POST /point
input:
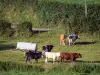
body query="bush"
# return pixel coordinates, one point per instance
(24, 29)
(5, 28)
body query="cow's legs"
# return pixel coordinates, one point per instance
(46, 60)
(62, 59)
(53, 60)
(62, 42)
(70, 42)
(73, 41)
(36, 60)
(28, 59)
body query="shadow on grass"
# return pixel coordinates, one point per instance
(87, 61)
(84, 43)
(2, 41)
(6, 47)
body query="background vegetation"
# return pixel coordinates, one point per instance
(5, 29)
(53, 13)
(63, 16)
(13, 61)
(24, 30)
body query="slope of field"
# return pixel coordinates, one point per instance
(88, 46)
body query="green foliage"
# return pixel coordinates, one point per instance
(72, 16)
(6, 66)
(63, 69)
(41, 13)
(24, 29)
(85, 68)
(5, 29)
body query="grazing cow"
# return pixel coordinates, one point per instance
(72, 38)
(53, 55)
(62, 39)
(47, 48)
(33, 55)
(69, 56)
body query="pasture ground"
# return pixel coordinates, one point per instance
(87, 45)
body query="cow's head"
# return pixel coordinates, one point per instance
(49, 47)
(43, 47)
(79, 55)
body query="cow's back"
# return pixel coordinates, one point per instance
(65, 55)
(49, 54)
(33, 55)
(70, 56)
(52, 54)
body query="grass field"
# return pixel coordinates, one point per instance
(76, 1)
(12, 61)
(87, 45)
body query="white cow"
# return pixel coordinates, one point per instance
(72, 38)
(26, 46)
(53, 55)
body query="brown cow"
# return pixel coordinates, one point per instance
(69, 56)
(62, 39)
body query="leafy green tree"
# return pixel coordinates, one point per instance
(5, 28)
(24, 29)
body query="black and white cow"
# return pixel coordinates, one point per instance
(37, 55)
(47, 48)
(72, 38)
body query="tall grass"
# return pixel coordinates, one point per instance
(63, 69)
(53, 14)
(7, 66)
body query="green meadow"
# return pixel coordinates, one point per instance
(62, 16)
(75, 1)
(13, 61)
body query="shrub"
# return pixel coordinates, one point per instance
(24, 29)
(5, 28)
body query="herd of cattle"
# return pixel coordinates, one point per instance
(46, 53)
(32, 53)
(70, 39)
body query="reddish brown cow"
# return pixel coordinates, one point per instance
(69, 56)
